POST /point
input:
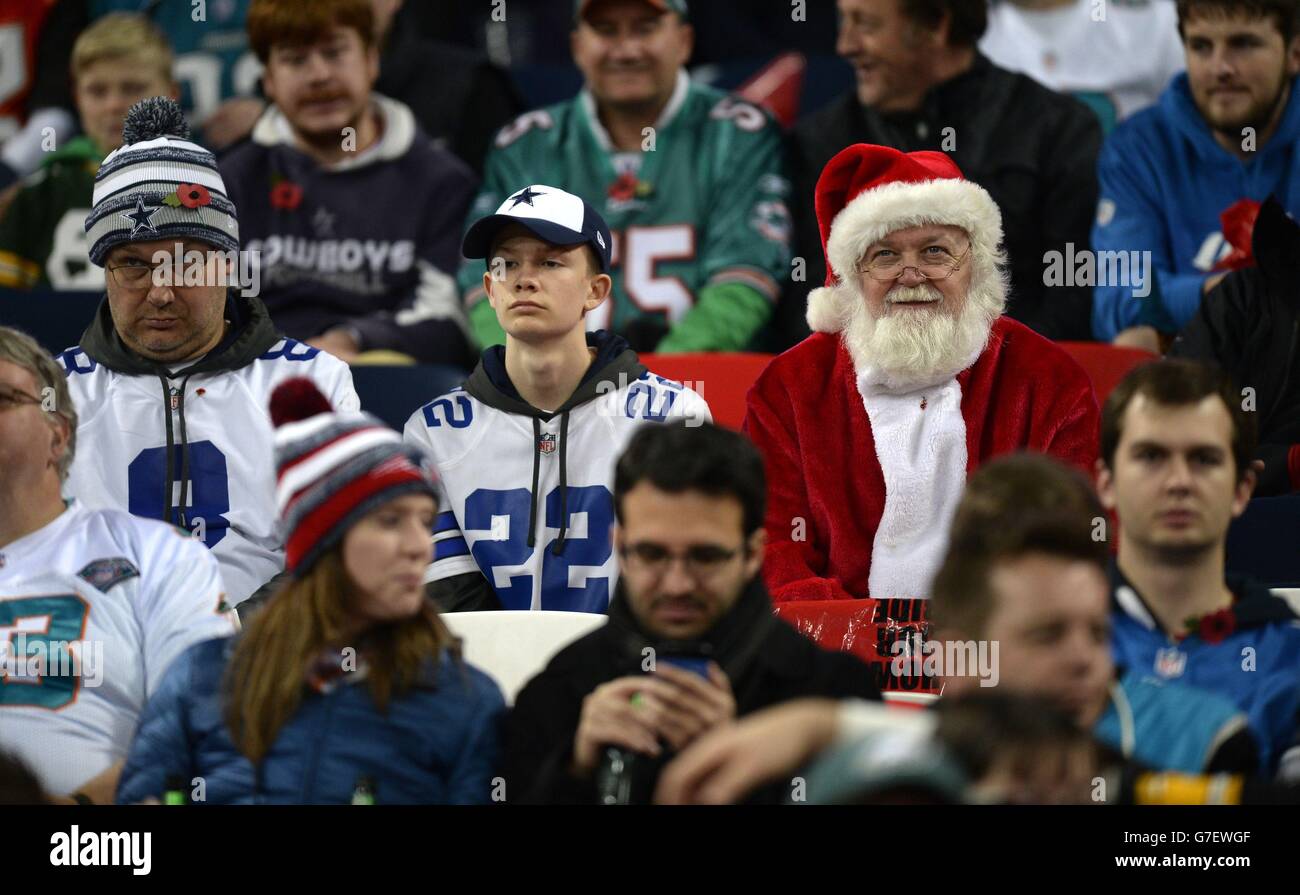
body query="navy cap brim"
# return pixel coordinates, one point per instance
(478, 241)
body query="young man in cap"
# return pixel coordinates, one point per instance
(689, 178)
(526, 449)
(174, 372)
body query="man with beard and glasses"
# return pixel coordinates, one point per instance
(1182, 180)
(355, 214)
(911, 379)
(1175, 469)
(691, 643)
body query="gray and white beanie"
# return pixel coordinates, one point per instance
(159, 185)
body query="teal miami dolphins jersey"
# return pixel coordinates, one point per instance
(703, 206)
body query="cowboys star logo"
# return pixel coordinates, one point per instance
(142, 217)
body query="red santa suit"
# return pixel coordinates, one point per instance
(864, 472)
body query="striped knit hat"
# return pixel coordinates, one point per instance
(333, 468)
(159, 185)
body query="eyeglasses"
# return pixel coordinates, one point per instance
(11, 399)
(134, 274)
(933, 267)
(701, 562)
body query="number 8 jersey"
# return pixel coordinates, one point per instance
(192, 446)
(528, 497)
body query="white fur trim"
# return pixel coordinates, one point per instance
(922, 456)
(825, 312)
(876, 213)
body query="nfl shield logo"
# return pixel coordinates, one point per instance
(176, 399)
(546, 443)
(1170, 662)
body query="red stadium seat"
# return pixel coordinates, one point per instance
(869, 629)
(722, 379)
(1106, 364)
(778, 87)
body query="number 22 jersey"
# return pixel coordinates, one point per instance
(528, 495)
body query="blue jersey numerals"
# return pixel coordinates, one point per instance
(509, 546)
(209, 488)
(35, 635)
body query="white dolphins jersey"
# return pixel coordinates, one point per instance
(229, 504)
(484, 457)
(93, 609)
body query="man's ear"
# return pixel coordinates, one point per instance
(59, 440)
(687, 33)
(1105, 485)
(372, 65)
(756, 543)
(1293, 56)
(1245, 488)
(598, 289)
(488, 282)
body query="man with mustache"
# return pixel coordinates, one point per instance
(911, 379)
(172, 377)
(1174, 177)
(355, 214)
(689, 179)
(1175, 469)
(691, 643)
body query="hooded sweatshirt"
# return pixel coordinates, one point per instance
(191, 443)
(1165, 182)
(529, 503)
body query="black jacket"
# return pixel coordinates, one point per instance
(766, 660)
(1250, 326)
(1034, 150)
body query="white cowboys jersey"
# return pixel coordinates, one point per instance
(485, 455)
(230, 500)
(93, 609)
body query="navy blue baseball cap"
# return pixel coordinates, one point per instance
(550, 214)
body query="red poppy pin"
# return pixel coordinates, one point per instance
(624, 188)
(286, 195)
(1215, 627)
(189, 195)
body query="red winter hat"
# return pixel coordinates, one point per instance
(333, 468)
(867, 192)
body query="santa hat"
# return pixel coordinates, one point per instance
(333, 468)
(867, 192)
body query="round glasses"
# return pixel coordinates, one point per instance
(935, 267)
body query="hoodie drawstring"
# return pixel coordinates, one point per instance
(168, 495)
(532, 512)
(564, 484)
(185, 457)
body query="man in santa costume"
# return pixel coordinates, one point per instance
(911, 379)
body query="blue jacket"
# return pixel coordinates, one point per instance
(1165, 725)
(436, 745)
(1257, 666)
(1164, 181)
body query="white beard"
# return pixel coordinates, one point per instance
(914, 348)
